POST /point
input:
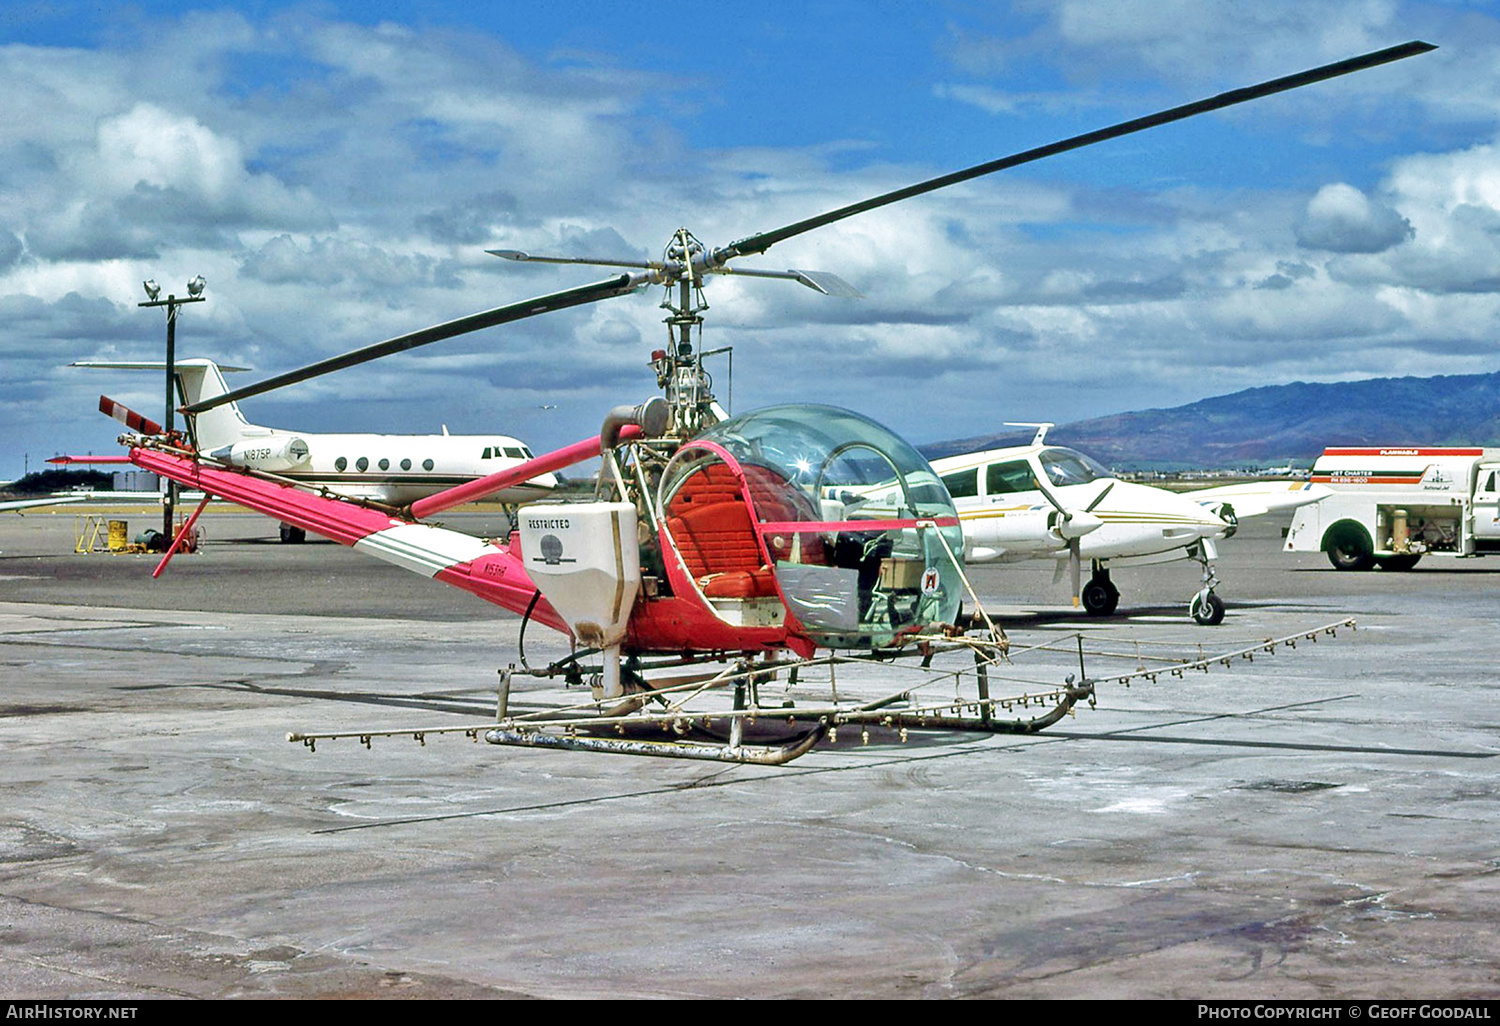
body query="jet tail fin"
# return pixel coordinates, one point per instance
(197, 379)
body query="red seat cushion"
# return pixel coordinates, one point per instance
(708, 519)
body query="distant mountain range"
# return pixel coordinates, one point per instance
(1277, 423)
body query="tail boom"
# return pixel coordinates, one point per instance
(490, 570)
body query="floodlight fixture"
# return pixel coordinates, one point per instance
(172, 302)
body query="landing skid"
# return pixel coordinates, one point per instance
(769, 712)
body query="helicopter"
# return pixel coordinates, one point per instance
(718, 553)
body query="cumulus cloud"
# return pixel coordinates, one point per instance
(1342, 219)
(338, 182)
(11, 249)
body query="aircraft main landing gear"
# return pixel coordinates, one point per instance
(1100, 597)
(1205, 607)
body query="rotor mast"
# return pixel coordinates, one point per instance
(679, 368)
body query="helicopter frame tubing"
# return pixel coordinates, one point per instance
(724, 716)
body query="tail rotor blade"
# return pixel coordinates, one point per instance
(125, 415)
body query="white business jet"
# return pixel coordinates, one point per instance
(390, 469)
(1041, 501)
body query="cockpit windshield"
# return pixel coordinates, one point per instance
(1071, 467)
(852, 519)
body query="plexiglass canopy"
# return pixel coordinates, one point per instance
(850, 516)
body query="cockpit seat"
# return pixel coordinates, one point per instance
(717, 542)
(708, 520)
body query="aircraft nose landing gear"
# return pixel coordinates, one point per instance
(1205, 607)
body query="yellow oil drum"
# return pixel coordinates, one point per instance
(118, 536)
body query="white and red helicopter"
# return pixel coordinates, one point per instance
(753, 543)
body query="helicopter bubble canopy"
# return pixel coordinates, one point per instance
(861, 535)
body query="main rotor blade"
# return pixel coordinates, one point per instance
(610, 287)
(521, 256)
(765, 240)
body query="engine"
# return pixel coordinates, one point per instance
(278, 452)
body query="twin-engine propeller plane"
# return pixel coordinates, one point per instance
(1040, 501)
(388, 469)
(751, 544)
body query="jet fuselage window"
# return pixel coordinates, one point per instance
(1003, 478)
(340, 463)
(406, 464)
(489, 452)
(385, 464)
(362, 464)
(515, 452)
(962, 485)
(426, 464)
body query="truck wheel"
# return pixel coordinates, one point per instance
(1398, 562)
(1348, 546)
(292, 535)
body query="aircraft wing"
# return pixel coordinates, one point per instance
(1260, 497)
(487, 569)
(52, 500)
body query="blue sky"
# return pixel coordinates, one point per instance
(337, 170)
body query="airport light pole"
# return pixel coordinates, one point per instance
(195, 295)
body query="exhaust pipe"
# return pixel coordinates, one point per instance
(652, 417)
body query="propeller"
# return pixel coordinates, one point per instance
(1071, 525)
(686, 260)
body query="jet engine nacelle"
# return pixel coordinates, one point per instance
(276, 453)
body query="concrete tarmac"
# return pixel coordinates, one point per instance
(1318, 823)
